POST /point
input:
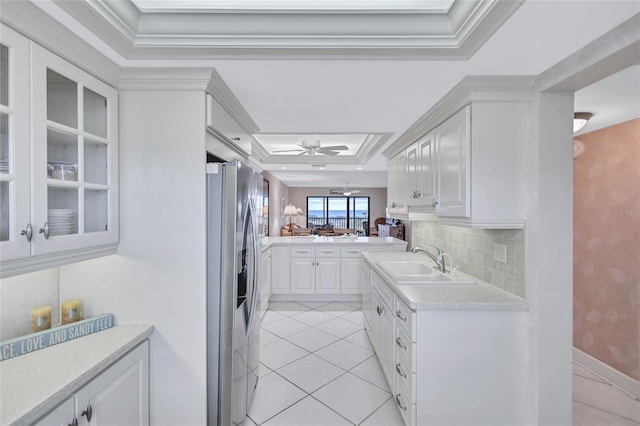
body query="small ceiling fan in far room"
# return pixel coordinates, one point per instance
(313, 146)
(345, 191)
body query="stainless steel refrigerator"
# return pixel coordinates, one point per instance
(234, 196)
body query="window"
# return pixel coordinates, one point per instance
(341, 212)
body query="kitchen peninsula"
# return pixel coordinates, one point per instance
(318, 267)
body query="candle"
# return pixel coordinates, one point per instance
(40, 318)
(70, 311)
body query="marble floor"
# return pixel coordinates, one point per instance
(319, 369)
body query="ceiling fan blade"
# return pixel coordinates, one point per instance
(303, 153)
(291, 150)
(336, 147)
(327, 152)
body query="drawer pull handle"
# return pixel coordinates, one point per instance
(352, 251)
(399, 315)
(327, 251)
(399, 343)
(402, 407)
(400, 372)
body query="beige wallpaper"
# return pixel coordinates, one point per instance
(606, 270)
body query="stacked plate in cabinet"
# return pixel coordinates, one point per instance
(61, 221)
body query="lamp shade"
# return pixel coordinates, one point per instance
(580, 120)
(299, 211)
(290, 210)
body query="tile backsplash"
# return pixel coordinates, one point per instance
(19, 294)
(472, 251)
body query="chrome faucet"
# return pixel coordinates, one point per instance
(439, 259)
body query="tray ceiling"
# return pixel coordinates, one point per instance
(199, 29)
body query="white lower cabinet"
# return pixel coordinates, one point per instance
(264, 288)
(62, 415)
(321, 269)
(280, 271)
(447, 367)
(117, 396)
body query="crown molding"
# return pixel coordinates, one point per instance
(371, 145)
(470, 90)
(219, 90)
(273, 33)
(35, 23)
(165, 79)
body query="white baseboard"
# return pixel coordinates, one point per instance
(609, 374)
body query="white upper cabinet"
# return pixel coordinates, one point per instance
(396, 199)
(14, 145)
(60, 188)
(465, 158)
(451, 197)
(420, 172)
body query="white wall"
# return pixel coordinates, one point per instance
(158, 275)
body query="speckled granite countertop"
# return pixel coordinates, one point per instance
(479, 296)
(269, 241)
(32, 385)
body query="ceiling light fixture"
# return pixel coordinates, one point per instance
(580, 120)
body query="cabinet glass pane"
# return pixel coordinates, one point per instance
(62, 211)
(4, 75)
(95, 210)
(62, 99)
(95, 162)
(95, 113)
(4, 211)
(4, 143)
(62, 156)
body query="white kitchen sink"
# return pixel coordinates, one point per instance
(409, 272)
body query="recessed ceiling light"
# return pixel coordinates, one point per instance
(358, 168)
(283, 168)
(322, 168)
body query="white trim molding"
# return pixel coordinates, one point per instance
(620, 380)
(455, 32)
(471, 89)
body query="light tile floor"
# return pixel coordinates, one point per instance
(318, 369)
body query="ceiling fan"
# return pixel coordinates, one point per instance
(345, 191)
(313, 146)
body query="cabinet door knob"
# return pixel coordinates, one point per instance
(399, 343)
(27, 232)
(434, 202)
(399, 315)
(88, 412)
(45, 230)
(74, 422)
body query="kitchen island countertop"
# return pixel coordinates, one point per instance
(313, 239)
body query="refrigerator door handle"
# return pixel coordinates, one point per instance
(255, 246)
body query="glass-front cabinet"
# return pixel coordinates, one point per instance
(71, 160)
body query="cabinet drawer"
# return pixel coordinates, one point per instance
(403, 402)
(402, 374)
(385, 292)
(351, 251)
(406, 318)
(327, 252)
(403, 344)
(303, 252)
